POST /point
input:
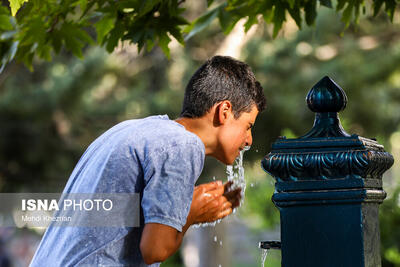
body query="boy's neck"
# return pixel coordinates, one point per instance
(203, 128)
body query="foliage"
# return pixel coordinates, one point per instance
(43, 27)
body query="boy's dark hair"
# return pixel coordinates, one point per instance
(222, 78)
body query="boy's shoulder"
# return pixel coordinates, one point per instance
(158, 132)
(161, 127)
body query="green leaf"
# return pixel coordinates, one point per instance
(346, 17)
(73, 45)
(149, 38)
(227, 20)
(74, 38)
(149, 44)
(87, 8)
(377, 6)
(163, 41)
(311, 11)
(390, 6)
(209, 2)
(83, 4)
(357, 8)
(16, 5)
(327, 3)
(180, 20)
(13, 50)
(8, 55)
(340, 4)
(45, 52)
(250, 22)
(177, 34)
(279, 18)
(4, 10)
(291, 3)
(268, 16)
(103, 27)
(115, 35)
(147, 6)
(35, 33)
(5, 23)
(56, 40)
(28, 59)
(25, 55)
(201, 23)
(75, 30)
(295, 13)
(137, 36)
(83, 36)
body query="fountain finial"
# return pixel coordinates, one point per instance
(326, 96)
(326, 99)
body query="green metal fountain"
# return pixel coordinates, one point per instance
(328, 189)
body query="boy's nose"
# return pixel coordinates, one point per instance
(249, 140)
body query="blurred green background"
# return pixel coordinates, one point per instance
(48, 117)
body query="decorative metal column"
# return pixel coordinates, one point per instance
(328, 189)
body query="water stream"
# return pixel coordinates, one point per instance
(235, 173)
(264, 253)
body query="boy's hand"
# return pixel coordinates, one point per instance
(212, 201)
(233, 195)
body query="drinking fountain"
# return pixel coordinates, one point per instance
(328, 189)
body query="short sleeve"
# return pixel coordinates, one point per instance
(170, 174)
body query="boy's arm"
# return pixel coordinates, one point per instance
(209, 203)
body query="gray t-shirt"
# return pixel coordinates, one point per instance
(155, 157)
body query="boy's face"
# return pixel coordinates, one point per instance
(235, 134)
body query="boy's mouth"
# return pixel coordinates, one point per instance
(245, 148)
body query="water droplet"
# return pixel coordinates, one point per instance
(251, 185)
(220, 243)
(215, 238)
(219, 265)
(256, 150)
(214, 178)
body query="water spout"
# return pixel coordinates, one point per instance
(266, 246)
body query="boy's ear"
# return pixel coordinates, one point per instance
(223, 111)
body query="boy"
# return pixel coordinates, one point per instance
(161, 159)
